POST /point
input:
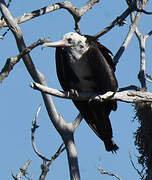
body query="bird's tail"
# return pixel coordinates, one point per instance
(96, 115)
(111, 145)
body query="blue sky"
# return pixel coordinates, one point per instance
(19, 102)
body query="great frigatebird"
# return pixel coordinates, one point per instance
(83, 64)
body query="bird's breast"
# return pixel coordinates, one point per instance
(84, 73)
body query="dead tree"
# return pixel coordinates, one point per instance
(141, 97)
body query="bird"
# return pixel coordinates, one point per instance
(85, 65)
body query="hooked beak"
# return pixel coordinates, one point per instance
(60, 43)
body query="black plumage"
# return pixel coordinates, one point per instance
(83, 64)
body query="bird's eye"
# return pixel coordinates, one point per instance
(69, 40)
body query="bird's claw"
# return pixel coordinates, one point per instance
(73, 93)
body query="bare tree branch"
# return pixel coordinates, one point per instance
(22, 172)
(66, 130)
(108, 173)
(10, 62)
(77, 121)
(136, 4)
(33, 129)
(143, 11)
(142, 44)
(3, 35)
(125, 96)
(148, 78)
(61, 126)
(31, 15)
(141, 75)
(75, 12)
(129, 35)
(59, 151)
(87, 6)
(148, 34)
(139, 172)
(45, 166)
(118, 21)
(9, 2)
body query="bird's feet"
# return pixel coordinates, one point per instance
(73, 93)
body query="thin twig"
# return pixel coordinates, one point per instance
(117, 21)
(9, 2)
(59, 151)
(148, 78)
(143, 11)
(148, 34)
(45, 166)
(139, 172)
(3, 35)
(108, 173)
(22, 172)
(33, 129)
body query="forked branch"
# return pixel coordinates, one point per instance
(60, 124)
(129, 35)
(75, 12)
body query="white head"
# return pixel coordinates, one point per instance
(73, 42)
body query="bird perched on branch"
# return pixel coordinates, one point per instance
(84, 65)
